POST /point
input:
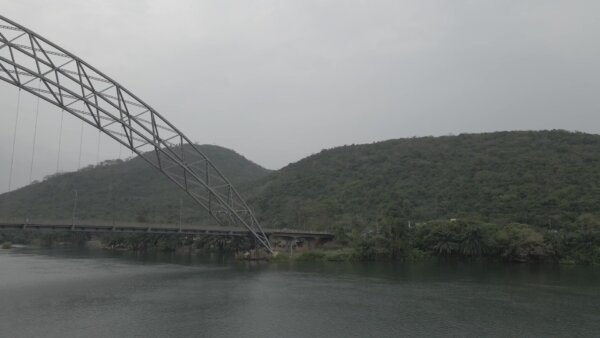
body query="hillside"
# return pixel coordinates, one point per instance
(541, 178)
(546, 178)
(131, 191)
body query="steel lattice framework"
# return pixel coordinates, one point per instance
(42, 68)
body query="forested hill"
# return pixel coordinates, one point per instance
(541, 178)
(545, 178)
(129, 191)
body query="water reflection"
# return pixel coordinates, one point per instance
(76, 293)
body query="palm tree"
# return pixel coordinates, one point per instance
(473, 242)
(445, 247)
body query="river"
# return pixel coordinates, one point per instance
(82, 293)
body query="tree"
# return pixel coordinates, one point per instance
(521, 243)
(475, 240)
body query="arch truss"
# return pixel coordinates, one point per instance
(42, 68)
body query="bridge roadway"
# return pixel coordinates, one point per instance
(166, 229)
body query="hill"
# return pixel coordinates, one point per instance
(544, 178)
(519, 196)
(128, 190)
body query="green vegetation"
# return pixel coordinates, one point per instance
(335, 255)
(6, 245)
(529, 196)
(464, 239)
(517, 196)
(165, 243)
(547, 179)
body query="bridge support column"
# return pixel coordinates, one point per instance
(292, 241)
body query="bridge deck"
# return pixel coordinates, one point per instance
(165, 229)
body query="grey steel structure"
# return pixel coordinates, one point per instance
(42, 68)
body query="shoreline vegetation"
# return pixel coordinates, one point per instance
(463, 239)
(391, 241)
(520, 196)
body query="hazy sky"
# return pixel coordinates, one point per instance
(280, 80)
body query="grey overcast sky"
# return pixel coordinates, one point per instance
(280, 80)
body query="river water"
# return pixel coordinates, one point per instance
(80, 293)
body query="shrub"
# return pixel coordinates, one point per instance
(521, 243)
(311, 256)
(340, 255)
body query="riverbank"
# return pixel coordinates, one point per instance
(470, 239)
(348, 255)
(391, 241)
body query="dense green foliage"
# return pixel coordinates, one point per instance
(529, 196)
(463, 239)
(547, 178)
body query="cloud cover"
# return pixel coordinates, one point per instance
(279, 80)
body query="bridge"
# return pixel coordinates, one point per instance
(291, 238)
(37, 66)
(160, 229)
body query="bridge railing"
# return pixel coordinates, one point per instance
(105, 223)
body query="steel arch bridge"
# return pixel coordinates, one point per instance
(44, 69)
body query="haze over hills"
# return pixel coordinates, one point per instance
(544, 178)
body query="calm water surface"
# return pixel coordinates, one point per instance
(101, 294)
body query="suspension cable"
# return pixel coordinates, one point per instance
(37, 113)
(12, 159)
(80, 146)
(98, 150)
(62, 117)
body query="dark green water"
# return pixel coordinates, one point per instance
(99, 294)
